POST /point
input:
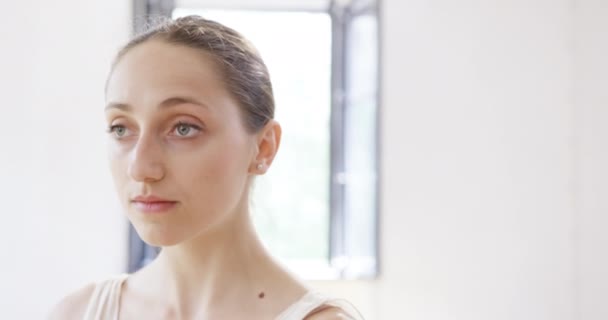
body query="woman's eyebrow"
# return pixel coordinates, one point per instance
(173, 101)
(116, 105)
(167, 103)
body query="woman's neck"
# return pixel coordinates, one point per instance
(224, 265)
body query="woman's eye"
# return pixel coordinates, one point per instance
(118, 131)
(186, 130)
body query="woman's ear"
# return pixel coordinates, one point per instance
(268, 141)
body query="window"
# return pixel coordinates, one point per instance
(316, 209)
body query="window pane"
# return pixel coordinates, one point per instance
(291, 202)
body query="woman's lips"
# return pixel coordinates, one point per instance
(152, 204)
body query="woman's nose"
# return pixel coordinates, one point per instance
(146, 161)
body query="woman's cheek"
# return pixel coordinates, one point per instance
(119, 148)
(118, 161)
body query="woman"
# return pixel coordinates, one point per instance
(190, 118)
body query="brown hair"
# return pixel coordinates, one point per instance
(244, 72)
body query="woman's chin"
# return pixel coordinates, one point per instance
(160, 242)
(157, 238)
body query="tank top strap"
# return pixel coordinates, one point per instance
(304, 306)
(312, 301)
(105, 299)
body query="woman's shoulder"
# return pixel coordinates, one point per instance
(74, 305)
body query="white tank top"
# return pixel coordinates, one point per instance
(105, 299)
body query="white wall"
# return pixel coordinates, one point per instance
(60, 225)
(591, 119)
(478, 160)
(494, 151)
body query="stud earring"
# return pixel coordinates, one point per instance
(260, 166)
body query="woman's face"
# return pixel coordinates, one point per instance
(179, 153)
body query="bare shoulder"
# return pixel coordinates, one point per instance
(329, 313)
(74, 305)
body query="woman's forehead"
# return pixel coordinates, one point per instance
(159, 68)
